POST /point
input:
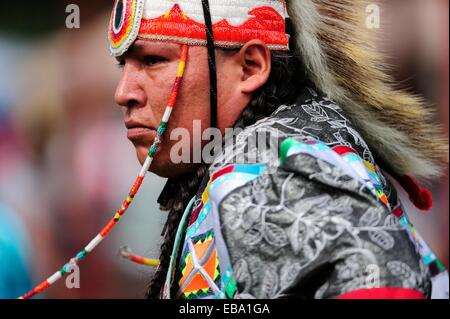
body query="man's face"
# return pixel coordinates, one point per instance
(149, 71)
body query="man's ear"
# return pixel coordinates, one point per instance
(255, 61)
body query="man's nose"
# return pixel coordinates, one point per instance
(129, 91)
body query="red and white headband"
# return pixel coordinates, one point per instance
(235, 22)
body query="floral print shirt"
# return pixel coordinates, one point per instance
(305, 212)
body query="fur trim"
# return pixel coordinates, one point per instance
(341, 59)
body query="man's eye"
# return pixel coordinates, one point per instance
(153, 60)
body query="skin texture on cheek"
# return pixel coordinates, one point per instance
(192, 104)
(153, 84)
(156, 87)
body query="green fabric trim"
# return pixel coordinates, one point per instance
(285, 147)
(176, 246)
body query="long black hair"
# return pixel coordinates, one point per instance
(286, 77)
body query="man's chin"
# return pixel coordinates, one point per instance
(162, 164)
(141, 153)
(159, 166)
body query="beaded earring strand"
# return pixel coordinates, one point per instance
(136, 186)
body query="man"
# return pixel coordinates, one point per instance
(316, 216)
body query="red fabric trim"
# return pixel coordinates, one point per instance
(341, 150)
(383, 293)
(224, 171)
(195, 214)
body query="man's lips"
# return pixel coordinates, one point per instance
(139, 131)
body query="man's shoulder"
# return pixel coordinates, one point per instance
(283, 226)
(312, 118)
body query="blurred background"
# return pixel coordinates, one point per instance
(66, 165)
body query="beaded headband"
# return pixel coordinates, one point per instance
(234, 22)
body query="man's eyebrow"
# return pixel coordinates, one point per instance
(136, 46)
(140, 45)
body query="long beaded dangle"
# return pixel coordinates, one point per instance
(136, 186)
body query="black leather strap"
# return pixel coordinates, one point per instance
(211, 62)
